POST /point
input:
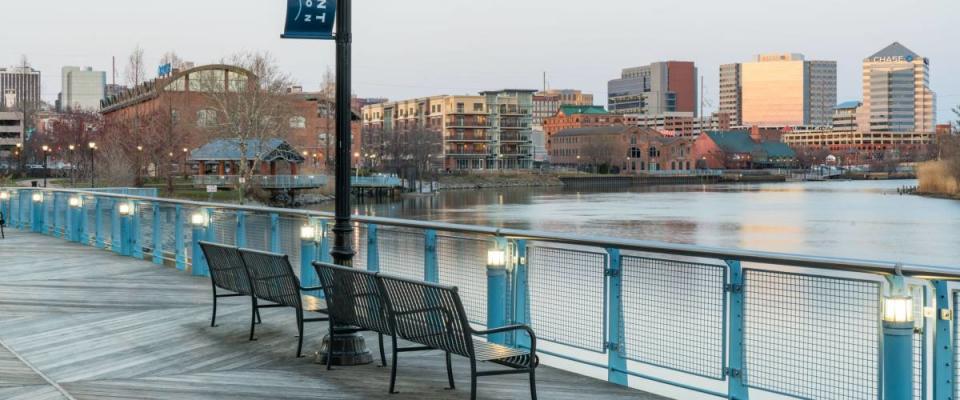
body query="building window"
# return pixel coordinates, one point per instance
(478, 107)
(206, 118)
(298, 122)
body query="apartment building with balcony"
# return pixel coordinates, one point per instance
(489, 131)
(11, 132)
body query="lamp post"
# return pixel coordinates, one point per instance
(73, 167)
(18, 152)
(308, 254)
(136, 178)
(199, 220)
(184, 166)
(898, 342)
(126, 211)
(46, 171)
(497, 289)
(93, 168)
(75, 218)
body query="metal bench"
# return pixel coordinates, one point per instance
(272, 279)
(2, 223)
(354, 303)
(433, 316)
(227, 272)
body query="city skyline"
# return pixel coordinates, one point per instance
(510, 52)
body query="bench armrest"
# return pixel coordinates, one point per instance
(517, 327)
(311, 288)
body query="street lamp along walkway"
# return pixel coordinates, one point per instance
(315, 20)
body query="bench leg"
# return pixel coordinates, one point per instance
(253, 317)
(473, 380)
(450, 373)
(300, 329)
(533, 384)
(213, 319)
(383, 355)
(393, 370)
(330, 336)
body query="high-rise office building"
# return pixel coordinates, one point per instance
(782, 90)
(896, 92)
(661, 87)
(730, 93)
(21, 83)
(83, 89)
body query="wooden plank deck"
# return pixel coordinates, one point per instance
(82, 323)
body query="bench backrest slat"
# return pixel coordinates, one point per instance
(353, 297)
(272, 277)
(429, 314)
(226, 267)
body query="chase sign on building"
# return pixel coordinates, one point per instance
(310, 19)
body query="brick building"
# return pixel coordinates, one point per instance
(741, 150)
(183, 95)
(628, 149)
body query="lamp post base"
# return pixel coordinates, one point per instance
(346, 349)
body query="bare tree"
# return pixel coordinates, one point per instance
(599, 152)
(327, 103)
(248, 110)
(136, 67)
(171, 58)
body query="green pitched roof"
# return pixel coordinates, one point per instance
(740, 142)
(571, 110)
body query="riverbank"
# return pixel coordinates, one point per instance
(938, 179)
(498, 180)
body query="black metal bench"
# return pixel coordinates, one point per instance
(354, 303)
(227, 272)
(272, 279)
(2, 224)
(433, 316)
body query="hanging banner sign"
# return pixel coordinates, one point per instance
(310, 19)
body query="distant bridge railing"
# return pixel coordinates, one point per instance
(376, 181)
(702, 321)
(264, 181)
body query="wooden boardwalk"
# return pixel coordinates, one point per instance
(82, 323)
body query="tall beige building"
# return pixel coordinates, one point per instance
(731, 102)
(785, 90)
(896, 92)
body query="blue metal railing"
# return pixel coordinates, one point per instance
(723, 323)
(265, 181)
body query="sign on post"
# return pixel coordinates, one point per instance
(211, 188)
(310, 19)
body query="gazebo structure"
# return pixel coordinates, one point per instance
(218, 164)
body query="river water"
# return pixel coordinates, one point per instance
(858, 219)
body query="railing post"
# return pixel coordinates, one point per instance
(136, 237)
(126, 242)
(897, 344)
(275, 232)
(116, 240)
(373, 251)
(98, 222)
(521, 294)
(241, 235)
(157, 234)
(431, 269)
(179, 240)
(943, 349)
(325, 242)
(52, 228)
(736, 386)
(308, 253)
(84, 222)
(75, 216)
(37, 207)
(199, 233)
(70, 223)
(616, 363)
(497, 289)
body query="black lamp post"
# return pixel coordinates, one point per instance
(46, 171)
(342, 252)
(93, 170)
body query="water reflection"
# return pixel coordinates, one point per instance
(860, 219)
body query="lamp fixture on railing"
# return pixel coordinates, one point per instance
(898, 331)
(308, 232)
(125, 209)
(4, 195)
(198, 219)
(898, 309)
(75, 202)
(496, 258)
(37, 197)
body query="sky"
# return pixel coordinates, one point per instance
(416, 48)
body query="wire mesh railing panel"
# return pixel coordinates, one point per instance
(224, 225)
(168, 230)
(106, 219)
(90, 218)
(673, 314)
(401, 252)
(258, 231)
(567, 289)
(60, 213)
(812, 337)
(290, 239)
(49, 217)
(462, 263)
(359, 246)
(146, 226)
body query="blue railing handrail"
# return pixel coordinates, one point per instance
(785, 259)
